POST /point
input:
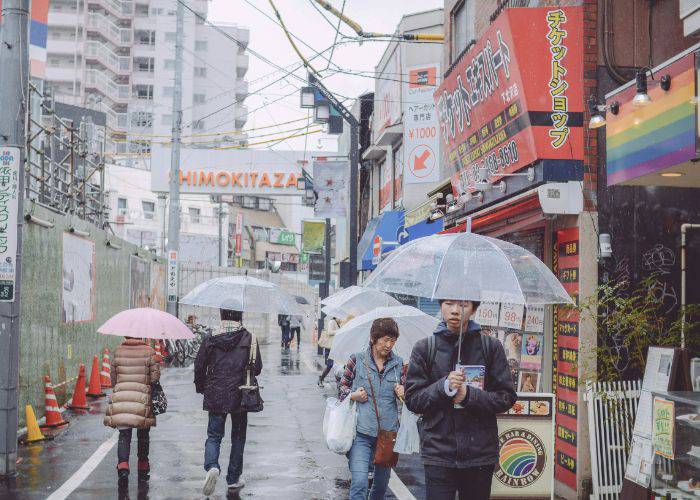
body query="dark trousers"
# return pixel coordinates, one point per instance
(286, 336)
(473, 483)
(215, 433)
(296, 330)
(124, 444)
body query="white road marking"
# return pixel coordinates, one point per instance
(85, 470)
(399, 489)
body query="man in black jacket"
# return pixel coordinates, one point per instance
(459, 436)
(219, 371)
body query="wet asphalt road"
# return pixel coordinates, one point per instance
(285, 455)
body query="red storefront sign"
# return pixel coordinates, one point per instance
(516, 96)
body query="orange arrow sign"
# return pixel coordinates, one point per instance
(419, 162)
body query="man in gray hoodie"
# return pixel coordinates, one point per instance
(459, 435)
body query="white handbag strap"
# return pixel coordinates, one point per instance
(253, 349)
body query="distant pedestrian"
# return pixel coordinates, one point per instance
(325, 342)
(284, 322)
(134, 368)
(295, 324)
(219, 372)
(459, 438)
(372, 379)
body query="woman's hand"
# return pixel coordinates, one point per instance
(399, 391)
(359, 396)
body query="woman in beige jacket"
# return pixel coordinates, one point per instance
(134, 369)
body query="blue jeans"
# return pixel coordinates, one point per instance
(215, 433)
(361, 455)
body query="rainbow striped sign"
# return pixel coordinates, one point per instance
(662, 134)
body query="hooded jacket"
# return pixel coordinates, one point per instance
(134, 368)
(468, 436)
(220, 369)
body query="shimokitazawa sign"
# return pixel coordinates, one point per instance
(232, 171)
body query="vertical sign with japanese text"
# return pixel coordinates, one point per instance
(172, 276)
(9, 204)
(421, 136)
(566, 359)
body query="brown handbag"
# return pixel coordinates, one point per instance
(384, 454)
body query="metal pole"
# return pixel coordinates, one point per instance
(354, 188)
(174, 215)
(327, 245)
(221, 244)
(14, 76)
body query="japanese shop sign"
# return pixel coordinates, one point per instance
(282, 236)
(421, 137)
(511, 316)
(172, 276)
(487, 314)
(662, 428)
(387, 97)
(238, 248)
(516, 96)
(9, 213)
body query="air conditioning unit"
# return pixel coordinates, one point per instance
(561, 197)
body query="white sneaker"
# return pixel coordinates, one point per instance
(210, 481)
(237, 486)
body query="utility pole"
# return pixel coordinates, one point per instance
(14, 82)
(221, 231)
(174, 214)
(354, 169)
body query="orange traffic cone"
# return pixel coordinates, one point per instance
(105, 380)
(79, 402)
(95, 390)
(53, 413)
(159, 353)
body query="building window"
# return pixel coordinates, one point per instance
(122, 206)
(264, 204)
(146, 37)
(156, 12)
(200, 72)
(462, 20)
(199, 98)
(170, 36)
(145, 65)
(141, 119)
(144, 92)
(260, 234)
(195, 215)
(200, 45)
(149, 209)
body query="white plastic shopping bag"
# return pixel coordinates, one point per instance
(407, 439)
(339, 428)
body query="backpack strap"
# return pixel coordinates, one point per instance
(432, 351)
(486, 349)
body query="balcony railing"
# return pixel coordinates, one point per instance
(102, 53)
(118, 93)
(118, 8)
(241, 90)
(115, 34)
(116, 121)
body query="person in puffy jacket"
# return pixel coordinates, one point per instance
(459, 433)
(134, 369)
(219, 371)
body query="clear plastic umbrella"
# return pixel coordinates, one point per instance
(353, 337)
(243, 293)
(468, 266)
(354, 301)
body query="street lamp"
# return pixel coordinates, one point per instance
(308, 97)
(322, 113)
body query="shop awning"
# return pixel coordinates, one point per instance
(381, 234)
(374, 153)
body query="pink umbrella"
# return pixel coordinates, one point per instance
(146, 323)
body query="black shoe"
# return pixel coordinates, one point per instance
(320, 382)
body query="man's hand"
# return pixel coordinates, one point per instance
(399, 391)
(461, 394)
(456, 379)
(359, 395)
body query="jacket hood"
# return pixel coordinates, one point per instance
(229, 340)
(442, 329)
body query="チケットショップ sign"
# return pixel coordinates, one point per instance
(229, 171)
(516, 96)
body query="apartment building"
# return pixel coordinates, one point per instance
(118, 56)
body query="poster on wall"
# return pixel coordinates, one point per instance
(158, 299)
(313, 236)
(386, 172)
(421, 136)
(398, 177)
(140, 284)
(78, 279)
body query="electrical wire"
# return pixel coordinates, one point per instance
(221, 133)
(306, 62)
(337, 33)
(189, 143)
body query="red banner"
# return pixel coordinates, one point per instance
(516, 96)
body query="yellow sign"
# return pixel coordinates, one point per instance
(662, 427)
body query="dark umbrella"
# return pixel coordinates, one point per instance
(301, 300)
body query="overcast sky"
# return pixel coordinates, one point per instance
(302, 20)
